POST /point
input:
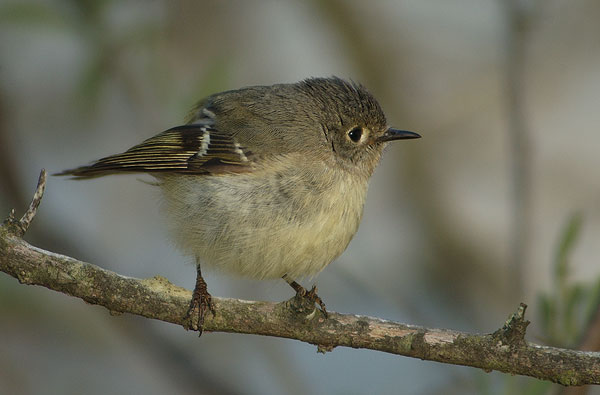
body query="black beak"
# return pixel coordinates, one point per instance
(395, 134)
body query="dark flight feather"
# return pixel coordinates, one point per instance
(187, 149)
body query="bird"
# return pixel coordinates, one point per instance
(266, 182)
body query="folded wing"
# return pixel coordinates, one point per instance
(187, 149)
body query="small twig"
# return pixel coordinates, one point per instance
(26, 219)
(21, 226)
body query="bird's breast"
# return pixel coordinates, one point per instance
(274, 221)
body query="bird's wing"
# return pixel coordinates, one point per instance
(187, 149)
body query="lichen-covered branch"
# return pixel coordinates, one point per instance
(504, 350)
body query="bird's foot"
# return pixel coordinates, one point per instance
(200, 304)
(313, 298)
(307, 296)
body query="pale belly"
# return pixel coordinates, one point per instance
(262, 229)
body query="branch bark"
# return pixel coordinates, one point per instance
(504, 350)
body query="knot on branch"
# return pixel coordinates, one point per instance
(325, 348)
(513, 331)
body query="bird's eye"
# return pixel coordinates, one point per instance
(355, 134)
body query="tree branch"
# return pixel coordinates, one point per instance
(504, 350)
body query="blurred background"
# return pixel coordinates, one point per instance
(498, 203)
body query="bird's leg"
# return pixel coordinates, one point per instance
(201, 303)
(302, 292)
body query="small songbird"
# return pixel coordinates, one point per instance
(266, 181)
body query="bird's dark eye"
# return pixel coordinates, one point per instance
(355, 134)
